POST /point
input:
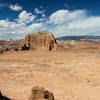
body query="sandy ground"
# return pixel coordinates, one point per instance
(70, 75)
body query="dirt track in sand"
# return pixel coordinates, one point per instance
(69, 75)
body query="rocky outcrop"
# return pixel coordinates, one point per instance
(7, 49)
(42, 40)
(1, 51)
(3, 97)
(38, 93)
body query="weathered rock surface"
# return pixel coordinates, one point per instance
(38, 93)
(42, 40)
(3, 97)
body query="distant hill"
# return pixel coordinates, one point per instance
(78, 37)
(9, 44)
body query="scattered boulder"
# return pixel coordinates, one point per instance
(24, 47)
(6, 49)
(42, 40)
(38, 93)
(16, 49)
(3, 97)
(13, 49)
(1, 51)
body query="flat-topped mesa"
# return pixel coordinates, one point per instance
(42, 40)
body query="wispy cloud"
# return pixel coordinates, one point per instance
(15, 7)
(2, 5)
(42, 12)
(67, 5)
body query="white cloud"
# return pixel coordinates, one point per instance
(60, 23)
(43, 19)
(22, 25)
(15, 7)
(66, 16)
(33, 27)
(66, 5)
(37, 11)
(16, 30)
(10, 27)
(25, 17)
(77, 22)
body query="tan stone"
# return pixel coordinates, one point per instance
(42, 40)
(3, 97)
(38, 93)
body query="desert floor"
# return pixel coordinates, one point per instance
(70, 75)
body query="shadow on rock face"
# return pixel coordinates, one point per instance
(42, 40)
(3, 97)
(38, 93)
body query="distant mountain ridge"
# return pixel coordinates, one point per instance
(78, 37)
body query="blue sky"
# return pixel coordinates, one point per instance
(61, 17)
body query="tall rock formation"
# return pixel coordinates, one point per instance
(42, 40)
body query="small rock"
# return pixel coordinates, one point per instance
(3, 97)
(16, 49)
(38, 93)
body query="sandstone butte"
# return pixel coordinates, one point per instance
(42, 40)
